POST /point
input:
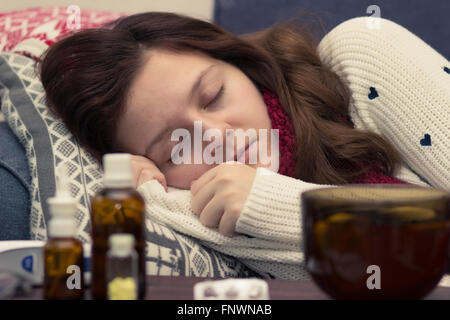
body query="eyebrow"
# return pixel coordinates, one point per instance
(194, 88)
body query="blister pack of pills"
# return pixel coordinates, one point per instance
(232, 289)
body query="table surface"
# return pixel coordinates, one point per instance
(181, 288)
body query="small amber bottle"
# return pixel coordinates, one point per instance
(118, 208)
(63, 253)
(121, 267)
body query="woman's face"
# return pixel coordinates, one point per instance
(174, 90)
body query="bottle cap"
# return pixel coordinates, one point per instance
(117, 169)
(62, 206)
(121, 243)
(62, 228)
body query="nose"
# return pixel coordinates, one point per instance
(232, 140)
(208, 130)
(217, 129)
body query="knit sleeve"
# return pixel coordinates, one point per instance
(272, 210)
(400, 89)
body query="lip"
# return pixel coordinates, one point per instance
(242, 150)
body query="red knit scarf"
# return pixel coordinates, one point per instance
(287, 144)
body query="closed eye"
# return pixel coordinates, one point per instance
(216, 98)
(213, 100)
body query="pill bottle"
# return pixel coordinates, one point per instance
(117, 208)
(63, 252)
(121, 267)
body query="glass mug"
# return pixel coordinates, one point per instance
(373, 241)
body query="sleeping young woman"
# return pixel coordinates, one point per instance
(368, 104)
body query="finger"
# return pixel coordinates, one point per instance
(140, 161)
(165, 185)
(198, 184)
(227, 224)
(162, 179)
(202, 197)
(212, 213)
(208, 176)
(150, 174)
(144, 176)
(138, 165)
(136, 175)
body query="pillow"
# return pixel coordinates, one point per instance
(48, 142)
(30, 31)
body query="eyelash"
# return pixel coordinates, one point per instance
(217, 97)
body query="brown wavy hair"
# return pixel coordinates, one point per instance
(88, 74)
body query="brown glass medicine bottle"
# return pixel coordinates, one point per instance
(117, 208)
(63, 253)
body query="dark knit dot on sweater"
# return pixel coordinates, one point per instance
(446, 69)
(426, 141)
(373, 93)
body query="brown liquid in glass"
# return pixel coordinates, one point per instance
(412, 255)
(116, 211)
(59, 254)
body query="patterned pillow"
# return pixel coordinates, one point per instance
(48, 142)
(29, 31)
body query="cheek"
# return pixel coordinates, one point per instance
(266, 122)
(263, 118)
(257, 110)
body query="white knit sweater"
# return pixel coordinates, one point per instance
(413, 100)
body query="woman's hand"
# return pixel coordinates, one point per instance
(144, 170)
(219, 195)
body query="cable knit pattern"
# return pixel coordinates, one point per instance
(354, 52)
(262, 255)
(400, 89)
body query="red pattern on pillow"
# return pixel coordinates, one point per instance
(45, 26)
